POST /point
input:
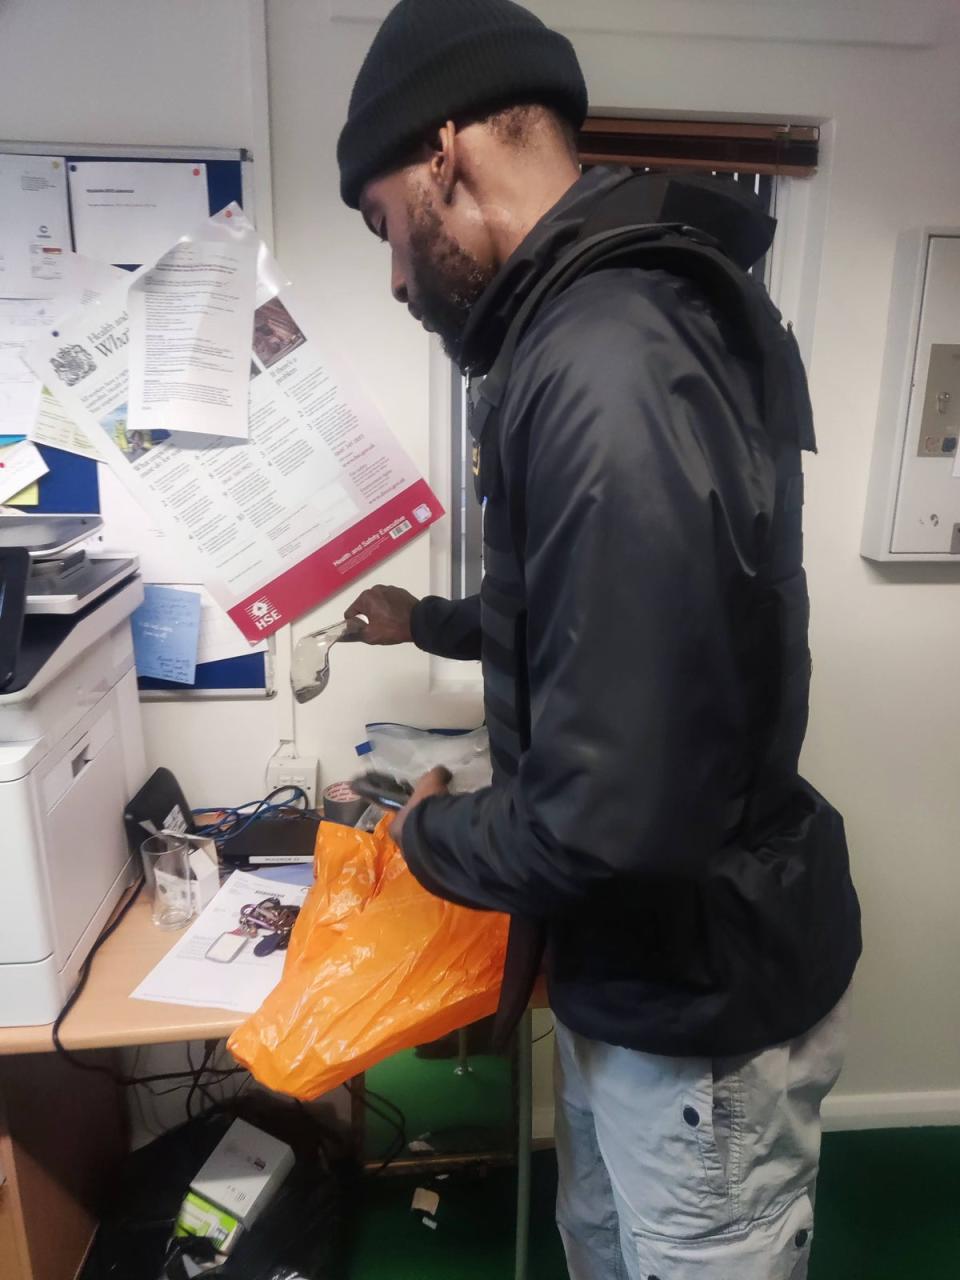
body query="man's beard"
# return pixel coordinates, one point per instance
(447, 280)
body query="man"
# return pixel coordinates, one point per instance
(642, 626)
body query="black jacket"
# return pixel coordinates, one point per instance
(642, 626)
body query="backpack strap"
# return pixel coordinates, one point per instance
(690, 254)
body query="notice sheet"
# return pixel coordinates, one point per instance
(34, 225)
(319, 493)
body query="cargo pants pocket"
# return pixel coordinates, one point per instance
(772, 1248)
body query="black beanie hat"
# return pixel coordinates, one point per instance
(434, 60)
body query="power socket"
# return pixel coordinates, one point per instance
(294, 771)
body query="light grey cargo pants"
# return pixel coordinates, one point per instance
(691, 1168)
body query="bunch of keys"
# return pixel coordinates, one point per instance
(273, 916)
(270, 916)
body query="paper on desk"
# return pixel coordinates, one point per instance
(185, 976)
(20, 465)
(191, 326)
(35, 227)
(129, 212)
(166, 634)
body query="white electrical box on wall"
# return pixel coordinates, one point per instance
(913, 501)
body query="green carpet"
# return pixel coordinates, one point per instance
(888, 1206)
(888, 1202)
(456, 1112)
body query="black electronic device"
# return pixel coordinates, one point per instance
(159, 805)
(14, 576)
(383, 789)
(276, 839)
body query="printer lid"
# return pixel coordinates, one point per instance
(46, 536)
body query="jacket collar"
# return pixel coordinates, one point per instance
(495, 308)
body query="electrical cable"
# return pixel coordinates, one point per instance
(234, 819)
(118, 1077)
(399, 1143)
(195, 1086)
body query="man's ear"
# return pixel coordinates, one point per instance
(444, 159)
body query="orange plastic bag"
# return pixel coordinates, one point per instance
(375, 964)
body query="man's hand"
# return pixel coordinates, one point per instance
(434, 783)
(387, 611)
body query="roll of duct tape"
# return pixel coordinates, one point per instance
(342, 804)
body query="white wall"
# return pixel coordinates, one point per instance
(885, 708)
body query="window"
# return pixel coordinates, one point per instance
(764, 156)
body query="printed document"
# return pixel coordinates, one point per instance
(129, 212)
(34, 225)
(186, 975)
(320, 492)
(191, 325)
(23, 320)
(54, 427)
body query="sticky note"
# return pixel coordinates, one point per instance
(28, 497)
(166, 634)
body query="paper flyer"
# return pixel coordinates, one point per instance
(128, 212)
(55, 428)
(35, 228)
(321, 491)
(191, 321)
(23, 320)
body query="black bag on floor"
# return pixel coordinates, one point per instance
(301, 1235)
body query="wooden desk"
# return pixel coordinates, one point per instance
(57, 1158)
(105, 1016)
(63, 1131)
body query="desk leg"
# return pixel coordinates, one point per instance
(524, 1141)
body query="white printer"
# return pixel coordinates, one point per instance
(71, 755)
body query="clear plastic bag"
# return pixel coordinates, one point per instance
(408, 753)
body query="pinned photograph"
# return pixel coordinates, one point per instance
(275, 333)
(132, 444)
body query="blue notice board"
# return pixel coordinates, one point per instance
(71, 486)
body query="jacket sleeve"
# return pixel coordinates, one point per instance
(447, 628)
(635, 714)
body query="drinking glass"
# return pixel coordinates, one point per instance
(166, 866)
